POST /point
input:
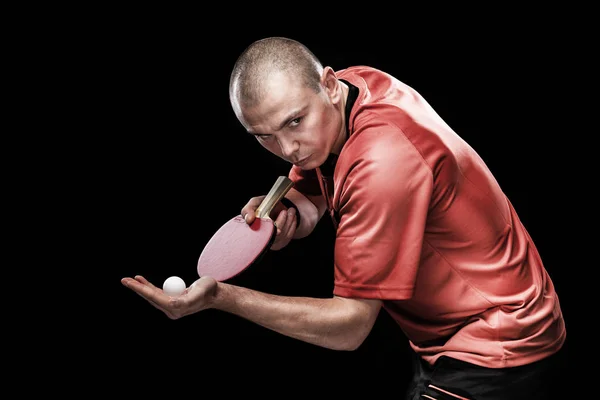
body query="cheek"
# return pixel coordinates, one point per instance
(328, 128)
(272, 147)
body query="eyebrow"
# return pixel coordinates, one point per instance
(291, 116)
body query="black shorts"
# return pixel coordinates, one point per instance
(453, 379)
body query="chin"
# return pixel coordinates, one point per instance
(312, 163)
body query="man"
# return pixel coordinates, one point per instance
(423, 230)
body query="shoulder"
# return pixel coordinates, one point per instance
(380, 143)
(359, 70)
(384, 161)
(367, 78)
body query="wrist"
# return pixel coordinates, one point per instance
(220, 297)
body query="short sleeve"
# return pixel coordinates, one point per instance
(306, 182)
(384, 201)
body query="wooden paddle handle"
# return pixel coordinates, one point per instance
(279, 189)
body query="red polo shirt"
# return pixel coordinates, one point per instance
(425, 227)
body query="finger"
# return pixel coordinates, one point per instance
(249, 217)
(291, 217)
(147, 291)
(288, 231)
(150, 293)
(287, 218)
(280, 221)
(292, 222)
(248, 212)
(145, 281)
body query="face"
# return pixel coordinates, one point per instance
(296, 123)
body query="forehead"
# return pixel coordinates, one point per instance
(281, 88)
(280, 95)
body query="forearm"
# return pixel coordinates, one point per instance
(335, 323)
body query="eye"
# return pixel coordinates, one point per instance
(263, 138)
(295, 121)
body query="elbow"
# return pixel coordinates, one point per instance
(360, 316)
(352, 342)
(353, 335)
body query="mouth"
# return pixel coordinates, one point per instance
(301, 162)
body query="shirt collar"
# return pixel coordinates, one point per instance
(328, 166)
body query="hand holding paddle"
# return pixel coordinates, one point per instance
(239, 243)
(285, 220)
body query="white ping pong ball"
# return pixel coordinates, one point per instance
(174, 286)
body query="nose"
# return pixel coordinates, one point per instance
(288, 147)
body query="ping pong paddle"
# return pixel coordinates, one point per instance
(237, 245)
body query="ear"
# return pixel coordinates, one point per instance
(331, 84)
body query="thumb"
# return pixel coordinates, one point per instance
(250, 217)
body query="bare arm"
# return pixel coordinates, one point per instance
(336, 323)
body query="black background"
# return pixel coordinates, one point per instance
(171, 163)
